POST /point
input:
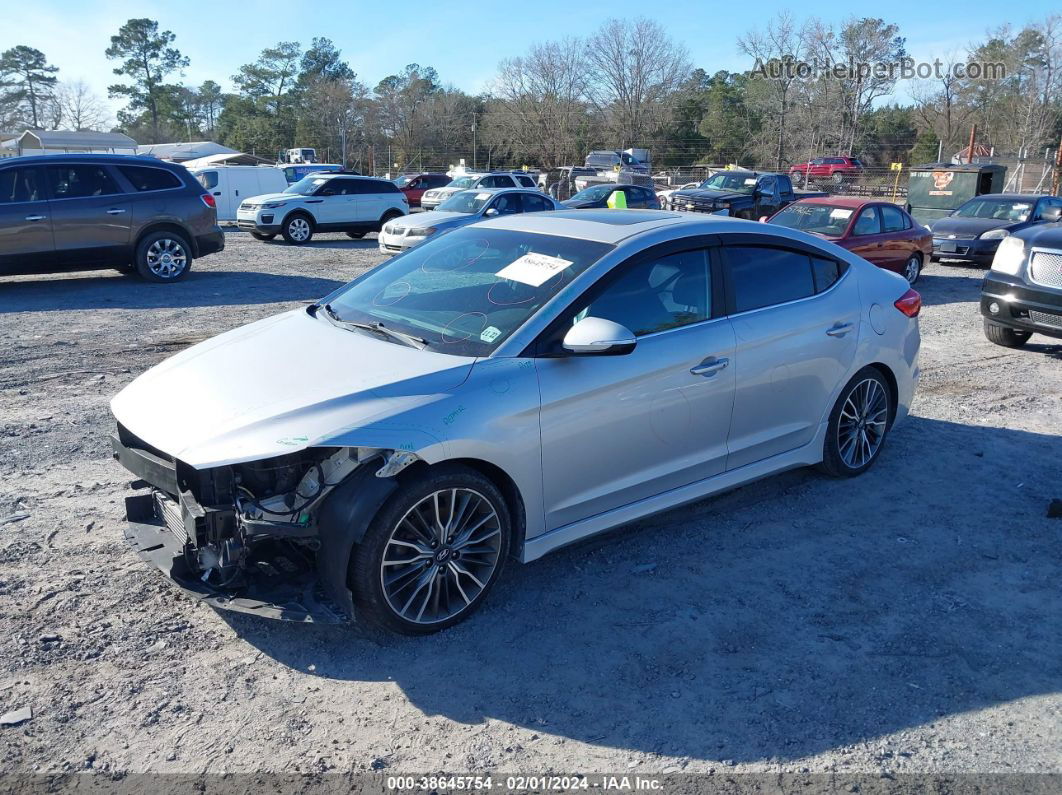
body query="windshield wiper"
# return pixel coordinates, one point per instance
(377, 327)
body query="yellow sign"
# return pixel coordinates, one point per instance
(618, 200)
(895, 166)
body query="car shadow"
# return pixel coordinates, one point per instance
(341, 243)
(102, 290)
(792, 616)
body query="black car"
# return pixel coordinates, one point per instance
(972, 232)
(73, 212)
(740, 194)
(1022, 294)
(597, 196)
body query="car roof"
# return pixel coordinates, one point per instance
(1028, 197)
(851, 202)
(89, 157)
(613, 226)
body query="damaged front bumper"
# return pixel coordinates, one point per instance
(285, 571)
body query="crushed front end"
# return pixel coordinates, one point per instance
(270, 538)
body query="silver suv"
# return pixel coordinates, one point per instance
(514, 179)
(323, 203)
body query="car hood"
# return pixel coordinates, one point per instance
(435, 218)
(969, 227)
(273, 197)
(276, 386)
(708, 195)
(1043, 235)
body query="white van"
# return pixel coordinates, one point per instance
(230, 185)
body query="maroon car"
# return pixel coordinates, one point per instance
(826, 169)
(878, 231)
(414, 185)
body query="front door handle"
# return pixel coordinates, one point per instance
(115, 211)
(839, 329)
(709, 367)
(35, 217)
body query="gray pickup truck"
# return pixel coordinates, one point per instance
(740, 194)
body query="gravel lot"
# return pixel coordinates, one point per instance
(907, 621)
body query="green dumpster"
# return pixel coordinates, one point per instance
(935, 189)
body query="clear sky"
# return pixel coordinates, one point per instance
(464, 40)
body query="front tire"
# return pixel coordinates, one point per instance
(432, 553)
(355, 235)
(163, 256)
(858, 424)
(1007, 337)
(297, 229)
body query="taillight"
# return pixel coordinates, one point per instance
(910, 303)
(208, 200)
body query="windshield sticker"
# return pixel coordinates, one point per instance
(482, 197)
(490, 333)
(840, 213)
(533, 269)
(750, 181)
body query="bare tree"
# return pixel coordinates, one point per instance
(79, 108)
(540, 103)
(636, 70)
(778, 49)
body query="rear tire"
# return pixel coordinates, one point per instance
(260, 236)
(395, 572)
(297, 229)
(163, 256)
(858, 425)
(1007, 337)
(912, 269)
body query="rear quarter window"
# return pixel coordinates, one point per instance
(145, 178)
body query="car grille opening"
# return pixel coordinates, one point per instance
(168, 511)
(1045, 268)
(1045, 318)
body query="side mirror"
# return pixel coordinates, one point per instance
(493, 211)
(599, 337)
(1052, 214)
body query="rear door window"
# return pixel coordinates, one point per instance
(535, 204)
(762, 276)
(867, 223)
(81, 181)
(145, 178)
(21, 185)
(892, 219)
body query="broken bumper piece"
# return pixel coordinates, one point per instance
(277, 587)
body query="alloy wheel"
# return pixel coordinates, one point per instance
(912, 269)
(167, 258)
(441, 556)
(862, 424)
(299, 229)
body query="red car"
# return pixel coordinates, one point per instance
(822, 169)
(414, 185)
(876, 230)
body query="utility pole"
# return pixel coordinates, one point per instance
(970, 151)
(1056, 178)
(940, 150)
(473, 141)
(342, 143)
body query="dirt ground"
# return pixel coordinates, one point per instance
(903, 622)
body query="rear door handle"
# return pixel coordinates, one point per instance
(115, 211)
(839, 329)
(35, 217)
(709, 367)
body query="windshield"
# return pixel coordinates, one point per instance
(996, 209)
(462, 182)
(306, 186)
(467, 291)
(593, 193)
(731, 182)
(821, 219)
(467, 201)
(404, 180)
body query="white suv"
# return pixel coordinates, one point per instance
(436, 196)
(323, 203)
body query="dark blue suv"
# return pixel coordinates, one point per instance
(73, 212)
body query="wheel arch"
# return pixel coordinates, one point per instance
(299, 211)
(894, 387)
(166, 226)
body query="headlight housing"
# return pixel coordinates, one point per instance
(273, 205)
(995, 234)
(420, 231)
(1009, 256)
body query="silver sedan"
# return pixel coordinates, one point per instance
(461, 209)
(501, 391)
